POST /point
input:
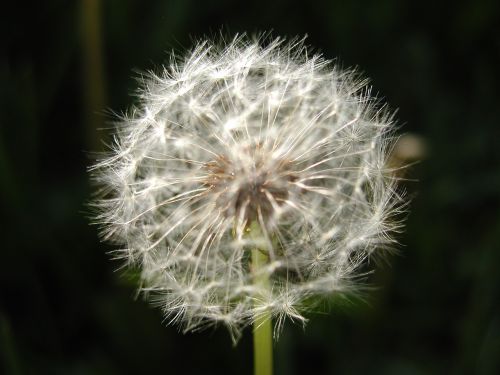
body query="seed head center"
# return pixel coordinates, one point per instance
(252, 186)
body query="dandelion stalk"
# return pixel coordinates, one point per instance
(93, 74)
(262, 325)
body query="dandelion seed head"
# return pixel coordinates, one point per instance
(241, 132)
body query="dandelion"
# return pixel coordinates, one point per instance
(250, 178)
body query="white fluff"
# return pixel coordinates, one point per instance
(241, 133)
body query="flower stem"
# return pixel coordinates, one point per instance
(262, 326)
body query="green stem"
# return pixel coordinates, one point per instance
(93, 71)
(262, 328)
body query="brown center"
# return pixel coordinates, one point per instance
(250, 189)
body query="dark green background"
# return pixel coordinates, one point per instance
(437, 307)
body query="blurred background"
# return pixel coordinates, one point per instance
(64, 307)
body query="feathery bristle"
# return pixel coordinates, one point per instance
(240, 133)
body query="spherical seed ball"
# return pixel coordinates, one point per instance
(241, 135)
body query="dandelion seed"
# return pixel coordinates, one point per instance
(243, 135)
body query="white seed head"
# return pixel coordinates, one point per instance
(239, 133)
